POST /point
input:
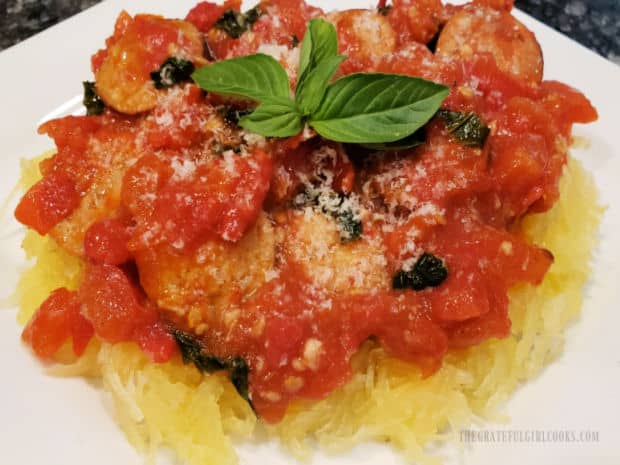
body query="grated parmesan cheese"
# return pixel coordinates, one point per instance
(183, 169)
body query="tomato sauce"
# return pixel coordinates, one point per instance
(191, 184)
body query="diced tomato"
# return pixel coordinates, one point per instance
(502, 258)
(568, 105)
(71, 131)
(205, 14)
(141, 181)
(57, 320)
(462, 296)
(48, 202)
(72, 135)
(106, 242)
(494, 324)
(156, 342)
(111, 303)
(222, 198)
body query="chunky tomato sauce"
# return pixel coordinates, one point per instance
(188, 223)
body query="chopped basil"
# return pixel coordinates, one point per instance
(233, 115)
(350, 226)
(428, 271)
(172, 71)
(193, 351)
(432, 44)
(93, 103)
(468, 127)
(339, 207)
(384, 10)
(239, 377)
(235, 23)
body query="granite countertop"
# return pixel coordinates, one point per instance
(594, 23)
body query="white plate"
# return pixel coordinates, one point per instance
(45, 420)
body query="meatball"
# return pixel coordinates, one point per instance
(198, 286)
(312, 240)
(363, 35)
(485, 30)
(123, 78)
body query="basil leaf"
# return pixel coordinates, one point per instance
(172, 71)
(374, 107)
(274, 118)
(256, 77)
(319, 44)
(311, 89)
(468, 128)
(235, 23)
(428, 271)
(193, 351)
(93, 103)
(233, 115)
(384, 10)
(415, 139)
(350, 226)
(239, 372)
(339, 207)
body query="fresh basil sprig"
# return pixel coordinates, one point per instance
(257, 77)
(386, 107)
(318, 62)
(274, 117)
(361, 108)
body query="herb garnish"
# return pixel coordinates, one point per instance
(172, 71)
(350, 226)
(383, 8)
(428, 271)
(239, 377)
(91, 100)
(235, 23)
(193, 351)
(361, 108)
(232, 115)
(468, 127)
(338, 206)
(432, 44)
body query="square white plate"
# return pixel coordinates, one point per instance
(46, 420)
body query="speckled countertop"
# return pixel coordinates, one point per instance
(594, 23)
